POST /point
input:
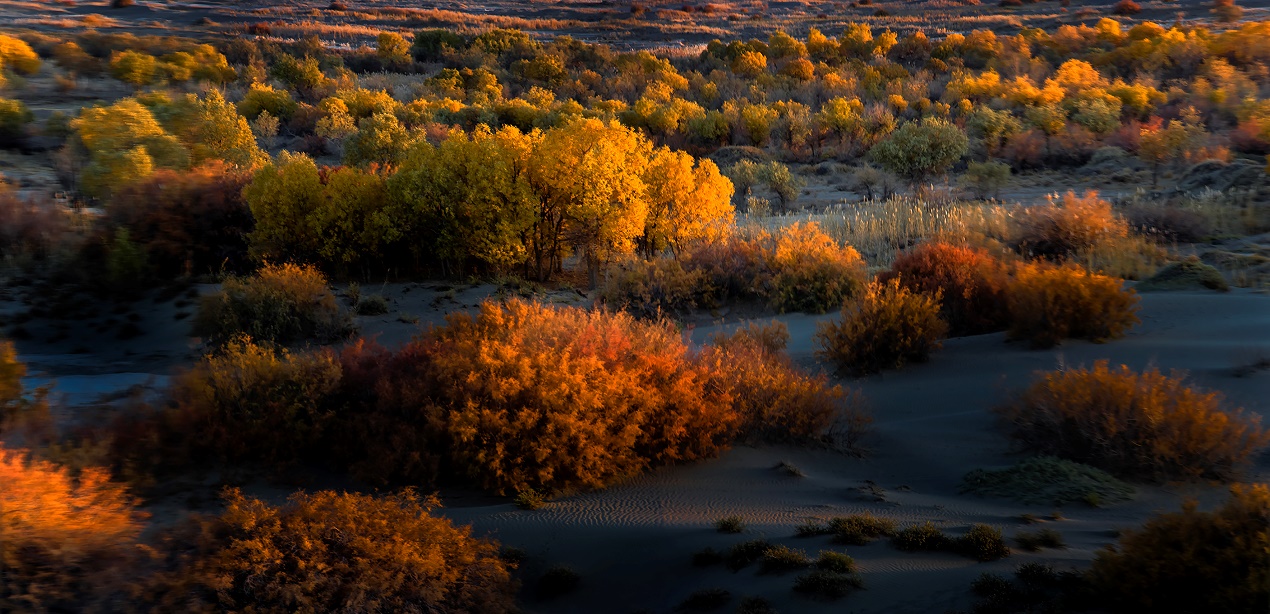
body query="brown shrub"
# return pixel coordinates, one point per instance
(1145, 425)
(1062, 228)
(1193, 561)
(1126, 7)
(31, 230)
(67, 544)
(655, 288)
(188, 222)
(1049, 303)
(885, 328)
(735, 268)
(332, 552)
(969, 280)
(283, 304)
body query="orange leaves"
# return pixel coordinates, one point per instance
(1145, 425)
(1049, 303)
(885, 328)
(971, 281)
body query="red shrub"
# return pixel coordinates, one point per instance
(971, 281)
(1126, 7)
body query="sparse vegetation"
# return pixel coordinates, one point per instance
(1047, 480)
(729, 524)
(283, 304)
(886, 328)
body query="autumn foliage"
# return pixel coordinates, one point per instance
(281, 303)
(886, 327)
(67, 543)
(1145, 425)
(328, 551)
(970, 282)
(1061, 229)
(1192, 561)
(1048, 303)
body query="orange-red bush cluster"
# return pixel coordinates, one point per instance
(971, 283)
(1048, 303)
(1147, 425)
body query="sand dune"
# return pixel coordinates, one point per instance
(633, 543)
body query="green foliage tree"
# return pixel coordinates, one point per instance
(918, 150)
(380, 138)
(392, 50)
(133, 67)
(14, 119)
(124, 143)
(986, 178)
(213, 130)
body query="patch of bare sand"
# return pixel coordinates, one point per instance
(633, 543)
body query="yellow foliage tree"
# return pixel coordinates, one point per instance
(685, 204)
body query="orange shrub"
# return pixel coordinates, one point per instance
(1146, 425)
(735, 268)
(1193, 561)
(538, 397)
(885, 328)
(283, 303)
(66, 544)
(774, 399)
(1062, 228)
(969, 280)
(330, 552)
(1049, 303)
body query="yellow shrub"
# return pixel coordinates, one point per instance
(1049, 303)
(887, 327)
(66, 544)
(1060, 229)
(811, 272)
(1145, 425)
(1193, 561)
(284, 304)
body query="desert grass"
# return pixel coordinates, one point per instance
(1048, 480)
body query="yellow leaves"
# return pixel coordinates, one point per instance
(686, 204)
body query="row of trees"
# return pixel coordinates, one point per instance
(497, 201)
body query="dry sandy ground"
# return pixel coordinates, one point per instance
(632, 543)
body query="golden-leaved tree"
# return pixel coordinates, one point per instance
(686, 203)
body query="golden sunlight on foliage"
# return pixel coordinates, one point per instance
(327, 551)
(66, 543)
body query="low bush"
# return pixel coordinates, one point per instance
(1144, 425)
(327, 551)
(1060, 229)
(1193, 561)
(253, 403)
(860, 529)
(887, 327)
(1045, 538)
(1035, 588)
(836, 562)
(811, 528)
(282, 304)
(743, 554)
(824, 584)
(656, 288)
(1126, 7)
(1049, 303)
(729, 524)
(1047, 480)
(970, 282)
(67, 544)
(779, 559)
(922, 537)
(530, 500)
(373, 305)
(811, 272)
(1189, 274)
(982, 543)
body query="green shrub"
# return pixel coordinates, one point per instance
(860, 529)
(328, 551)
(885, 328)
(836, 562)
(729, 524)
(1189, 274)
(741, 555)
(983, 543)
(1144, 425)
(1045, 538)
(1193, 561)
(1050, 303)
(779, 559)
(824, 584)
(282, 304)
(373, 305)
(986, 178)
(1047, 480)
(922, 537)
(14, 119)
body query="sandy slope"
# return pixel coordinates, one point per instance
(632, 543)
